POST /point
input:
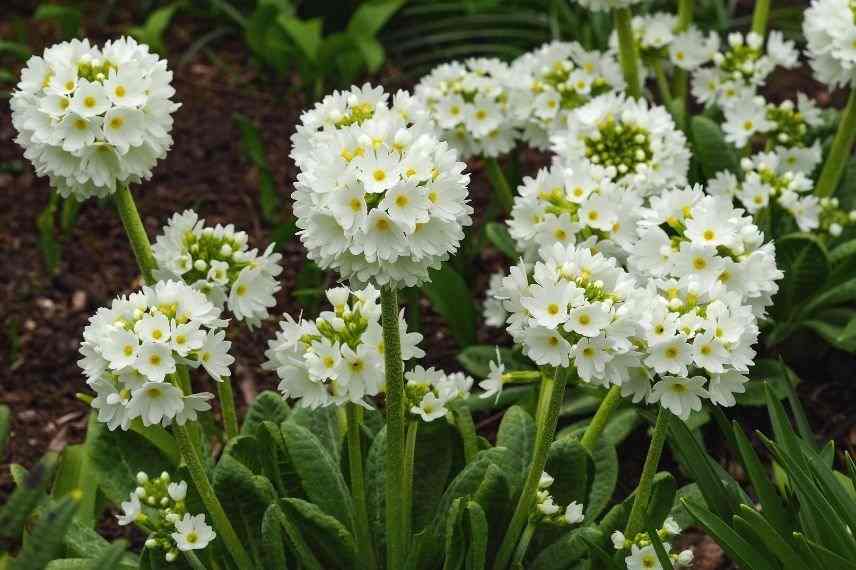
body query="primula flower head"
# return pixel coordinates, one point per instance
(90, 118)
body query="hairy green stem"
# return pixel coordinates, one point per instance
(407, 483)
(136, 231)
(545, 431)
(842, 145)
(500, 183)
(227, 407)
(760, 15)
(523, 545)
(635, 523)
(628, 55)
(664, 88)
(358, 486)
(209, 498)
(395, 414)
(601, 417)
(467, 429)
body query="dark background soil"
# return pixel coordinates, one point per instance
(43, 315)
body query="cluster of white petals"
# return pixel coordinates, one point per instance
(635, 144)
(546, 509)
(829, 27)
(766, 178)
(575, 307)
(90, 118)
(378, 198)
(159, 505)
(707, 245)
(740, 70)
(218, 262)
(641, 553)
(579, 205)
(657, 40)
(130, 349)
(469, 106)
(430, 391)
(338, 357)
(553, 80)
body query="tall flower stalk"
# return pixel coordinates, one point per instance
(551, 396)
(760, 17)
(839, 153)
(358, 485)
(628, 54)
(636, 521)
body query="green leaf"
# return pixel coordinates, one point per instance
(476, 359)
(323, 423)
(376, 489)
(568, 464)
(662, 556)
(253, 146)
(4, 428)
(767, 370)
(45, 541)
(26, 497)
(803, 259)
(306, 34)
(371, 16)
(153, 30)
(273, 545)
(842, 251)
(49, 246)
(117, 457)
(477, 536)
(332, 542)
(517, 434)
(319, 473)
(828, 328)
(432, 466)
(455, 541)
(662, 499)
(573, 546)
(498, 235)
(604, 478)
(296, 541)
(21, 51)
(268, 406)
(711, 150)
(836, 295)
(825, 557)
(494, 496)
(750, 522)
(111, 557)
(267, 39)
(245, 498)
(741, 551)
(451, 298)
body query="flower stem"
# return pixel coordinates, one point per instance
(499, 183)
(601, 416)
(760, 16)
(227, 407)
(467, 429)
(545, 431)
(681, 78)
(842, 145)
(136, 231)
(193, 560)
(210, 500)
(523, 545)
(358, 486)
(643, 492)
(394, 426)
(407, 486)
(627, 53)
(664, 87)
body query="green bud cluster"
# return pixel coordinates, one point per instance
(558, 77)
(735, 61)
(153, 493)
(622, 146)
(833, 218)
(348, 329)
(359, 114)
(791, 128)
(209, 246)
(94, 70)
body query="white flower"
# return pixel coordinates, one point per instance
(636, 145)
(468, 104)
(217, 261)
(722, 387)
(644, 558)
(618, 540)
(679, 395)
(90, 118)
(192, 533)
(429, 391)
(130, 348)
(744, 119)
(574, 513)
(406, 191)
(829, 29)
(338, 357)
(672, 356)
(214, 355)
(685, 557)
(547, 84)
(193, 404)
(131, 510)
(691, 48)
(545, 481)
(492, 385)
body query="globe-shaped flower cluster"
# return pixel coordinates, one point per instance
(338, 357)
(469, 106)
(636, 145)
(218, 262)
(131, 348)
(829, 27)
(90, 118)
(551, 81)
(707, 245)
(380, 199)
(580, 205)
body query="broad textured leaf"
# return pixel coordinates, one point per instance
(319, 473)
(476, 359)
(268, 406)
(455, 541)
(570, 548)
(604, 479)
(324, 424)
(568, 463)
(117, 457)
(45, 540)
(712, 152)
(332, 542)
(432, 467)
(451, 298)
(376, 490)
(662, 499)
(517, 434)
(477, 530)
(273, 542)
(244, 496)
(495, 498)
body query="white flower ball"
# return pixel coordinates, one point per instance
(553, 80)
(829, 27)
(218, 262)
(338, 357)
(131, 348)
(380, 199)
(90, 118)
(469, 106)
(637, 146)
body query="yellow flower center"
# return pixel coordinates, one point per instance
(379, 175)
(553, 309)
(699, 263)
(117, 122)
(119, 91)
(89, 102)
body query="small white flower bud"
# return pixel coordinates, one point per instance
(171, 556)
(225, 250)
(835, 229)
(151, 543)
